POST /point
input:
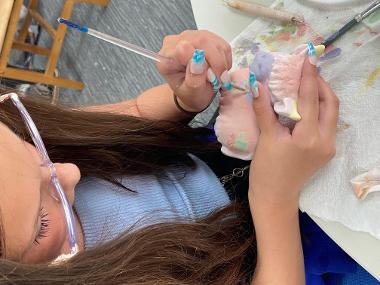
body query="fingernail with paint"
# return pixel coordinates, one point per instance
(253, 85)
(211, 77)
(226, 81)
(320, 49)
(312, 54)
(197, 62)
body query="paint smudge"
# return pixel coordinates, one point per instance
(331, 54)
(318, 39)
(285, 33)
(243, 62)
(342, 126)
(249, 98)
(230, 140)
(255, 48)
(372, 77)
(366, 30)
(372, 32)
(302, 28)
(285, 37)
(241, 143)
(268, 42)
(242, 46)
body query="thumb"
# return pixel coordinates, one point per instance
(262, 106)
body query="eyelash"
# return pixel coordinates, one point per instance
(44, 226)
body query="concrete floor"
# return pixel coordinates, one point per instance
(112, 74)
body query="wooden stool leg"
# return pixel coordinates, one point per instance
(33, 4)
(12, 26)
(55, 97)
(59, 37)
(38, 77)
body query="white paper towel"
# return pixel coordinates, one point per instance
(354, 76)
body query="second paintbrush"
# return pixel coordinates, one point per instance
(263, 11)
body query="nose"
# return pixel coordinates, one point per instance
(68, 175)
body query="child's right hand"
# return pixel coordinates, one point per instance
(285, 160)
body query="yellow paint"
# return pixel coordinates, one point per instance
(372, 77)
(319, 50)
(294, 115)
(268, 42)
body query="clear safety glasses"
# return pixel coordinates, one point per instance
(35, 135)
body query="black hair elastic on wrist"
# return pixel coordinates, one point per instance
(192, 114)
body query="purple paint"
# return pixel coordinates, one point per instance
(255, 48)
(243, 62)
(262, 65)
(331, 54)
(249, 98)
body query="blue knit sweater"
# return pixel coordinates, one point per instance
(105, 210)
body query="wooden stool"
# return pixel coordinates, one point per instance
(52, 53)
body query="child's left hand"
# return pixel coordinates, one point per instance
(188, 74)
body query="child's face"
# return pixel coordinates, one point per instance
(32, 221)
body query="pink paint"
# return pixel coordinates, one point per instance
(301, 31)
(372, 32)
(231, 140)
(317, 39)
(302, 28)
(285, 36)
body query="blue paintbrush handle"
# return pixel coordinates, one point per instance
(83, 29)
(131, 47)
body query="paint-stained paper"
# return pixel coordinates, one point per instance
(352, 67)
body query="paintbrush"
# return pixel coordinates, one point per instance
(357, 19)
(128, 46)
(264, 11)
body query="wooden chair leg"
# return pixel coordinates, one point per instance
(33, 76)
(59, 37)
(45, 24)
(33, 4)
(12, 26)
(55, 97)
(38, 77)
(31, 48)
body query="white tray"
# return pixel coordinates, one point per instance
(337, 2)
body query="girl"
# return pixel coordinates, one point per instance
(149, 210)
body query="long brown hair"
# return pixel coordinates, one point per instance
(219, 249)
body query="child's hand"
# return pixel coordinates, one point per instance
(188, 78)
(285, 160)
